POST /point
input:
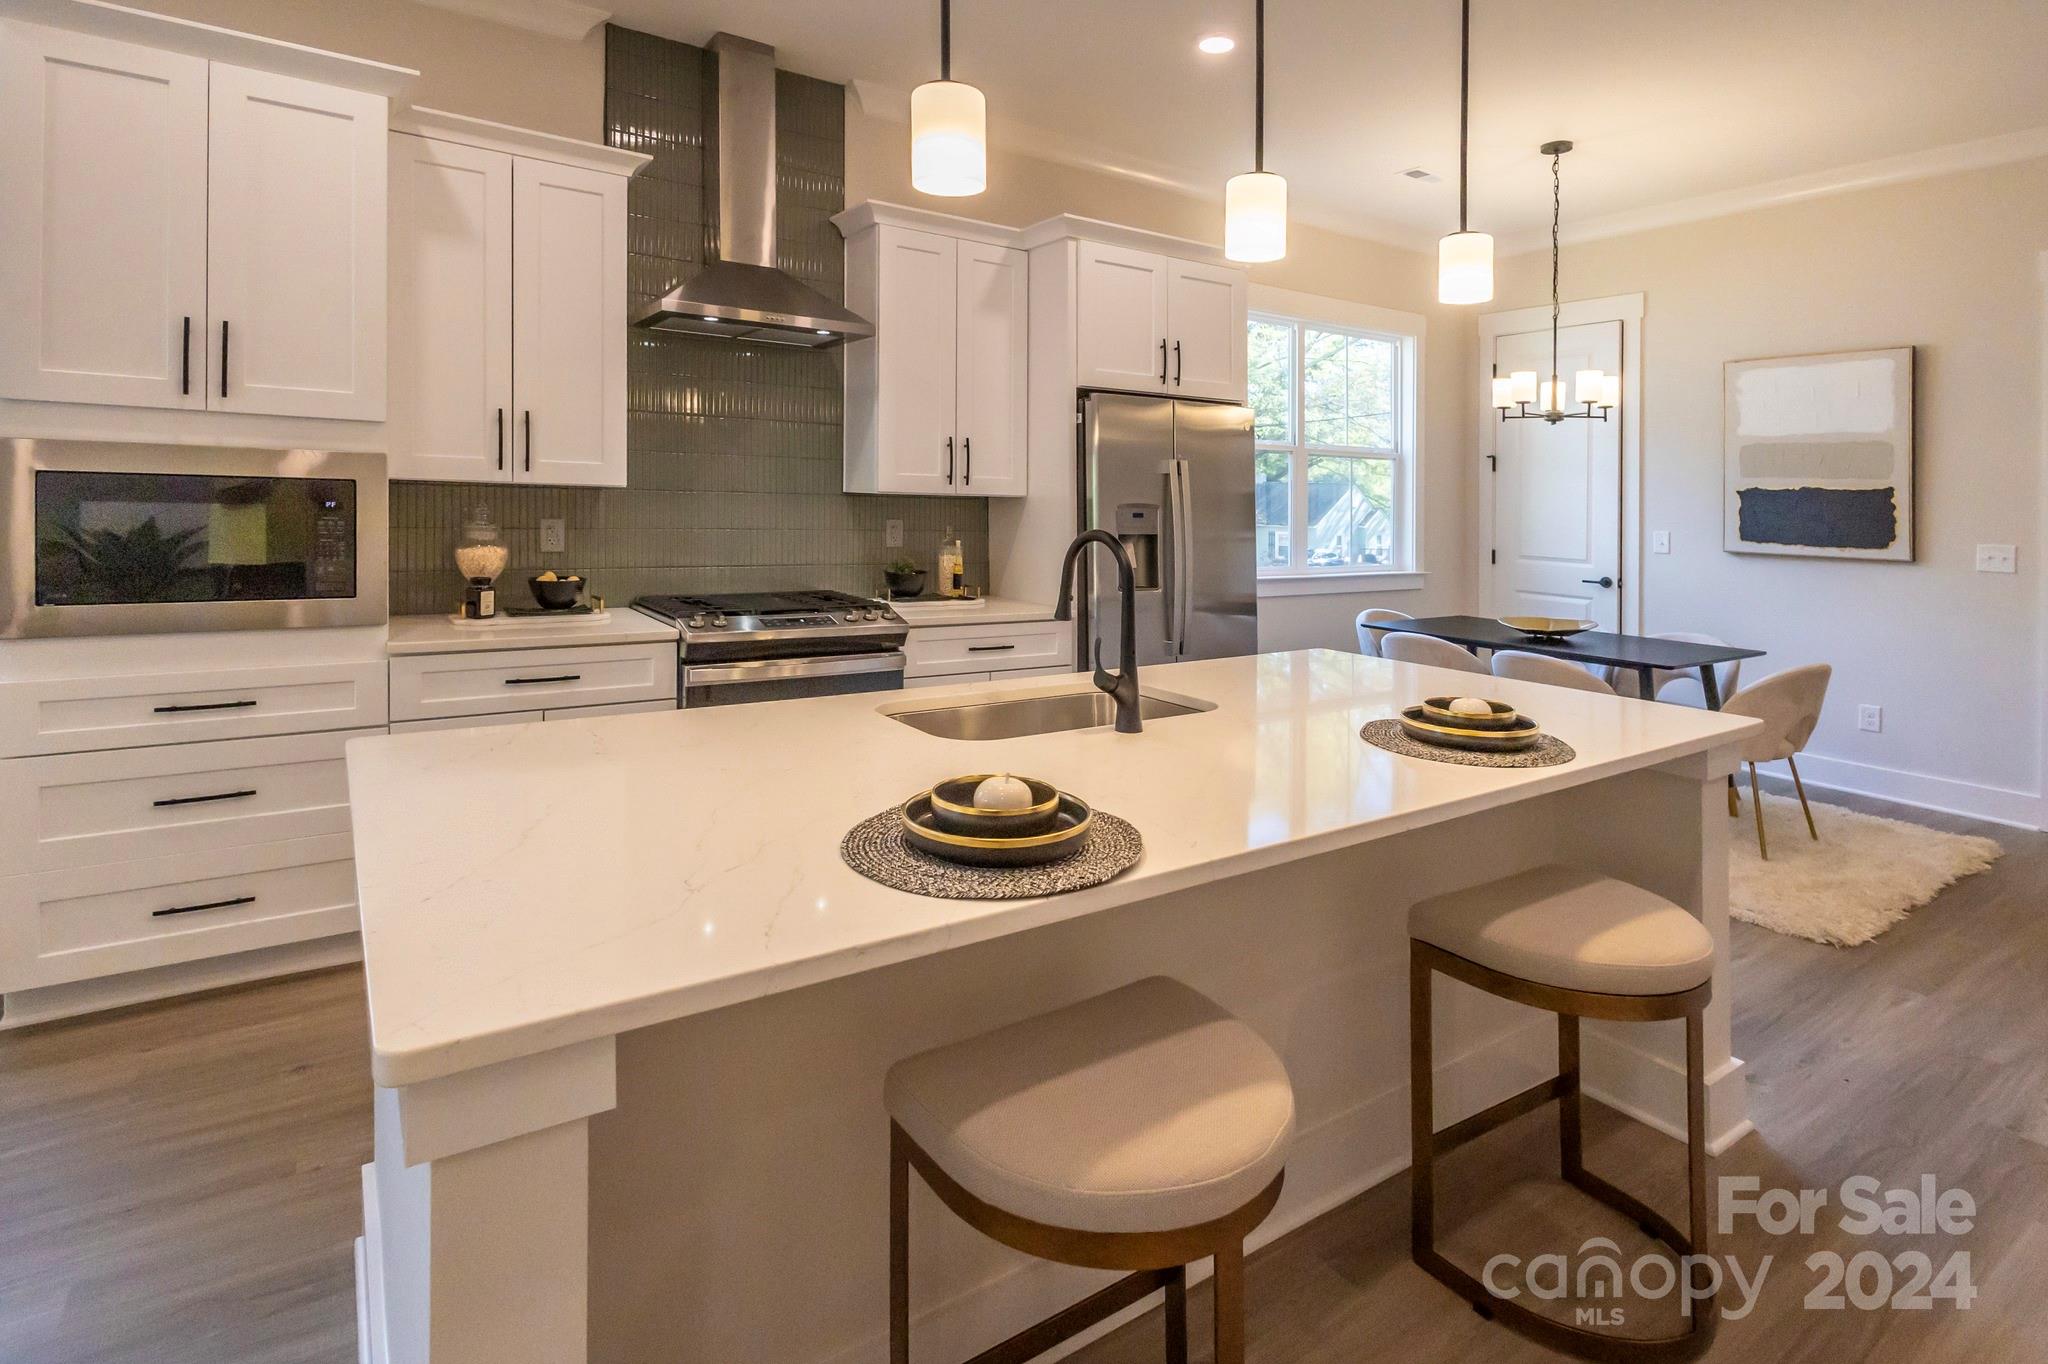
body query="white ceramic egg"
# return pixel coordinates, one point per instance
(1002, 792)
(1470, 705)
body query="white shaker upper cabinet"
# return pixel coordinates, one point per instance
(1122, 320)
(569, 325)
(989, 383)
(451, 414)
(102, 221)
(1205, 310)
(901, 430)
(295, 268)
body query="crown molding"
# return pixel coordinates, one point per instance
(2025, 145)
(442, 126)
(550, 18)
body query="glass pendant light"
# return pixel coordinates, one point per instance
(1464, 259)
(1255, 203)
(948, 128)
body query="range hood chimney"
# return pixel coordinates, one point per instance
(741, 295)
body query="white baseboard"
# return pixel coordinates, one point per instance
(20, 1008)
(2021, 809)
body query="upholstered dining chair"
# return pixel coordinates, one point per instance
(1403, 647)
(1789, 705)
(1681, 686)
(1555, 672)
(1369, 638)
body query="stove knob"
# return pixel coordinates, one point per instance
(695, 622)
(719, 622)
(870, 614)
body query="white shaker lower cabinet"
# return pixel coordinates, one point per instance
(529, 682)
(508, 305)
(940, 655)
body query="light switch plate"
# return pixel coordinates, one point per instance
(553, 537)
(1998, 559)
(892, 534)
(1660, 542)
(1870, 719)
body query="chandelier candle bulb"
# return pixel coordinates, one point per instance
(1589, 386)
(1524, 385)
(1551, 395)
(1503, 391)
(1610, 390)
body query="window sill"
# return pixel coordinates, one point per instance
(1326, 584)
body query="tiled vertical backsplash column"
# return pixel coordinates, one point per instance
(734, 470)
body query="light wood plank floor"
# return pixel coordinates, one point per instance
(178, 1182)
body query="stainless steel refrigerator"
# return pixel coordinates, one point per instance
(1172, 479)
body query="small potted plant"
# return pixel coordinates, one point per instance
(905, 578)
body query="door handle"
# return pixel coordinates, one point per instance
(1162, 359)
(949, 461)
(223, 358)
(501, 438)
(529, 440)
(966, 460)
(1176, 363)
(1602, 581)
(185, 361)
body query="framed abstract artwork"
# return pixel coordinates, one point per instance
(1817, 455)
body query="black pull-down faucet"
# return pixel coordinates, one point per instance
(1123, 685)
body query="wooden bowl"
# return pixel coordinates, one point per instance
(1523, 734)
(1548, 627)
(954, 810)
(1064, 839)
(1437, 711)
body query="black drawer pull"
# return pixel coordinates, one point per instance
(989, 648)
(202, 800)
(223, 359)
(185, 361)
(209, 705)
(210, 904)
(529, 681)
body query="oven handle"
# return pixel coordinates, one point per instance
(783, 669)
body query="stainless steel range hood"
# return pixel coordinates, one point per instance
(741, 295)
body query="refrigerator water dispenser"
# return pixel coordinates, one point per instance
(1138, 525)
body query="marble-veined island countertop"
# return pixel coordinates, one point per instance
(525, 888)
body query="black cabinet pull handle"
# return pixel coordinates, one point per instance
(1601, 581)
(208, 705)
(210, 904)
(185, 361)
(223, 358)
(529, 440)
(966, 460)
(949, 459)
(501, 438)
(1162, 359)
(529, 681)
(201, 800)
(989, 648)
(1176, 362)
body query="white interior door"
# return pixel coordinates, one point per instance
(296, 247)
(1205, 314)
(1121, 321)
(569, 324)
(1557, 490)
(993, 336)
(102, 221)
(451, 311)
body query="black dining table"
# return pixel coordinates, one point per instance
(1645, 654)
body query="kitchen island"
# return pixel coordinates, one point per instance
(630, 1011)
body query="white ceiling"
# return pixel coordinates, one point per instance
(1668, 100)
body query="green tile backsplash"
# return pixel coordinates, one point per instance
(733, 450)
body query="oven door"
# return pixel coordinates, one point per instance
(783, 679)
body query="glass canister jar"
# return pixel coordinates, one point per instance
(480, 556)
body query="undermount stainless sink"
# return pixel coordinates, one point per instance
(1014, 719)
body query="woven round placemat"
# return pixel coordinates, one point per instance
(1388, 734)
(876, 849)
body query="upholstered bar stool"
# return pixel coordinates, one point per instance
(1581, 946)
(1140, 1130)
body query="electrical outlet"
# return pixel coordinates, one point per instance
(1997, 559)
(892, 534)
(1660, 542)
(553, 537)
(1870, 719)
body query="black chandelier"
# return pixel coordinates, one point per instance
(1596, 393)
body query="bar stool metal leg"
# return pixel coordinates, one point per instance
(899, 1246)
(1177, 1316)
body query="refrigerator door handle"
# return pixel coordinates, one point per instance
(1183, 548)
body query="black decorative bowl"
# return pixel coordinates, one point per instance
(954, 812)
(909, 584)
(1067, 837)
(556, 594)
(1437, 711)
(1522, 734)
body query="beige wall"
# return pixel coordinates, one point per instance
(1023, 190)
(466, 66)
(1950, 266)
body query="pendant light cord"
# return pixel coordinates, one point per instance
(1259, 86)
(945, 40)
(1464, 105)
(1556, 213)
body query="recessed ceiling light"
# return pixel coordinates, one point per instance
(1216, 44)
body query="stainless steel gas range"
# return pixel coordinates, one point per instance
(771, 646)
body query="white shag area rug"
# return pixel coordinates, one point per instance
(1864, 875)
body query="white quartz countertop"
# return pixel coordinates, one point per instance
(440, 635)
(526, 887)
(985, 611)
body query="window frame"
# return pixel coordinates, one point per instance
(1403, 456)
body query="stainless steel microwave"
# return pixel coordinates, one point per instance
(109, 538)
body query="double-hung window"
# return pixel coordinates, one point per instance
(1334, 419)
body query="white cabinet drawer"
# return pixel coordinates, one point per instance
(80, 715)
(949, 649)
(437, 686)
(621, 708)
(82, 809)
(59, 926)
